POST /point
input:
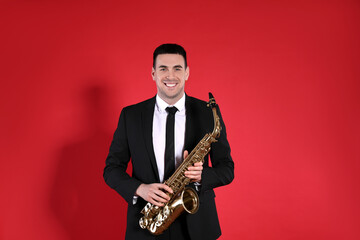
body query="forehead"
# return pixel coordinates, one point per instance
(170, 60)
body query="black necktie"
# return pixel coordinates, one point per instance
(170, 145)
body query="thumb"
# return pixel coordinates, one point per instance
(186, 153)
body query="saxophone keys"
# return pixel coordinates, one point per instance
(143, 222)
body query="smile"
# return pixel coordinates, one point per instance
(170, 84)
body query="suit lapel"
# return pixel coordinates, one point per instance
(147, 124)
(189, 128)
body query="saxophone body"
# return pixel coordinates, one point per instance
(158, 219)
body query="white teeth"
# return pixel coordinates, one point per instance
(170, 84)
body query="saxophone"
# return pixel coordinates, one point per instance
(158, 219)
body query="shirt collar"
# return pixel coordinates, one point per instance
(162, 105)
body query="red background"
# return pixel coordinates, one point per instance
(285, 74)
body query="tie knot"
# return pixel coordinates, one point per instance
(171, 110)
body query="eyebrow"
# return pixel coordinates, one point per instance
(164, 66)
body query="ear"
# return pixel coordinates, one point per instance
(187, 73)
(153, 73)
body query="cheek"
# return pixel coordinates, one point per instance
(159, 76)
(181, 76)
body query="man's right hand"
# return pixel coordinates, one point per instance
(154, 193)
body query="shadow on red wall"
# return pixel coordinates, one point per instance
(81, 201)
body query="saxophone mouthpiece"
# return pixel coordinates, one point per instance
(212, 102)
(210, 95)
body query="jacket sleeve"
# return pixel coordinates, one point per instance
(221, 171)
(115, 174)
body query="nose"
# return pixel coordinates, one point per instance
(170, 75)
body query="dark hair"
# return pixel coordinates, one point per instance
(171, 48)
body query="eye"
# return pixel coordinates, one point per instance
(162, 69)
(177, 69)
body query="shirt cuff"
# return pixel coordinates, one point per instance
(197, 186)
(135, 198)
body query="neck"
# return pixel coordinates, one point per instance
(172, 101)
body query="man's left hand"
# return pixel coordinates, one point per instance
(194, 172)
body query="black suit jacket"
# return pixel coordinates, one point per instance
(133, 141)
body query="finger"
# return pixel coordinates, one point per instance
(166, 188)
(195, 179)
(163, 195)
(196, 167)
(157, 193)
(162, 187)
(192, 175)
(161, 198)
(186, 153)
(152, 201)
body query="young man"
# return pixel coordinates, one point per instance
(142, 136)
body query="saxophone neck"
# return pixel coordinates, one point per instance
(217, 126)
(212, 102)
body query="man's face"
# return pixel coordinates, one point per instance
(170, 76)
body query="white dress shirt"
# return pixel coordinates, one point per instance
(159, 133)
